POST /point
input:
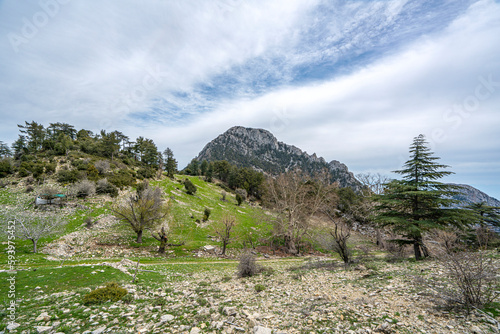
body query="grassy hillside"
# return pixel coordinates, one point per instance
(187, 213)
(185, 220)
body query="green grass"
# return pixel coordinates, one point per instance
(187, 209)
(51, 280)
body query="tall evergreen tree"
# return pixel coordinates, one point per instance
(20, 147)
(486, 213)
(418, 202)
(170, 162)
(4, 150)
(34, 134)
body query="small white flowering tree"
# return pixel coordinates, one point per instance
(30, 225)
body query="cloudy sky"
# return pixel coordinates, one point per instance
(353, 81)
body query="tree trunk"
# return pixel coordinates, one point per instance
(139, 237)
(224, 244)
(416, 249)
(34, 245)
(420, 249)
(163, 244)
(290, 245)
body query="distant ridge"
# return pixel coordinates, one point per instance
(469, 195)
(259, 149)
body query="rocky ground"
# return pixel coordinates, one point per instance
(291, 296)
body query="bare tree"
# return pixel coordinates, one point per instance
(142, 211)
(296, 198)
(162, 233)
(374, 182)
(338, 230)
(224, 229)
(35, 225)
(340, 233)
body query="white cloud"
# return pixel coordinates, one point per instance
(351, 81)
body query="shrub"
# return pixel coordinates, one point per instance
(472, 280)
(146, 173)
(30, 180)
(105, 187)
(23, 172)
(206, 214)
(49, 192)
(247, 266)
(122, 179)
(5, 167)
(239, 199)
(37, 170)
(111, 292)
(80, 164)
(242, 192)
(84, 189)
(259, 287)
(50, 168)
(102, 166)
(67, 176)
(190, 187)
(92, 172)
(88, 222)
(202, 301)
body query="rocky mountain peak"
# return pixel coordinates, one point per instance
(261, 150)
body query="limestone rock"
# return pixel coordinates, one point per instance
(262, 330)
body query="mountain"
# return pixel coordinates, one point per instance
(259, 149)
(469, 195)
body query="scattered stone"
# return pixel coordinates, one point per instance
(209, 248)
(12, 326)
(44, 316)
(43, 329)
(262, 330)
(167, 318)
(476, 330)
(195, 330)
(99, 330)
(229, 311)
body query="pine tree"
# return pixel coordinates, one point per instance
(170, 163)
(486, 213)
(419, 203)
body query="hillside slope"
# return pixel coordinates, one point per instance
(469, 195)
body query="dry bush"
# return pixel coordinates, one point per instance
(247, 266)
(444, 241)
(84, 189)
(485, 236)
(471, 280)
(102, 166)
(105, 187)
(335, 239)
